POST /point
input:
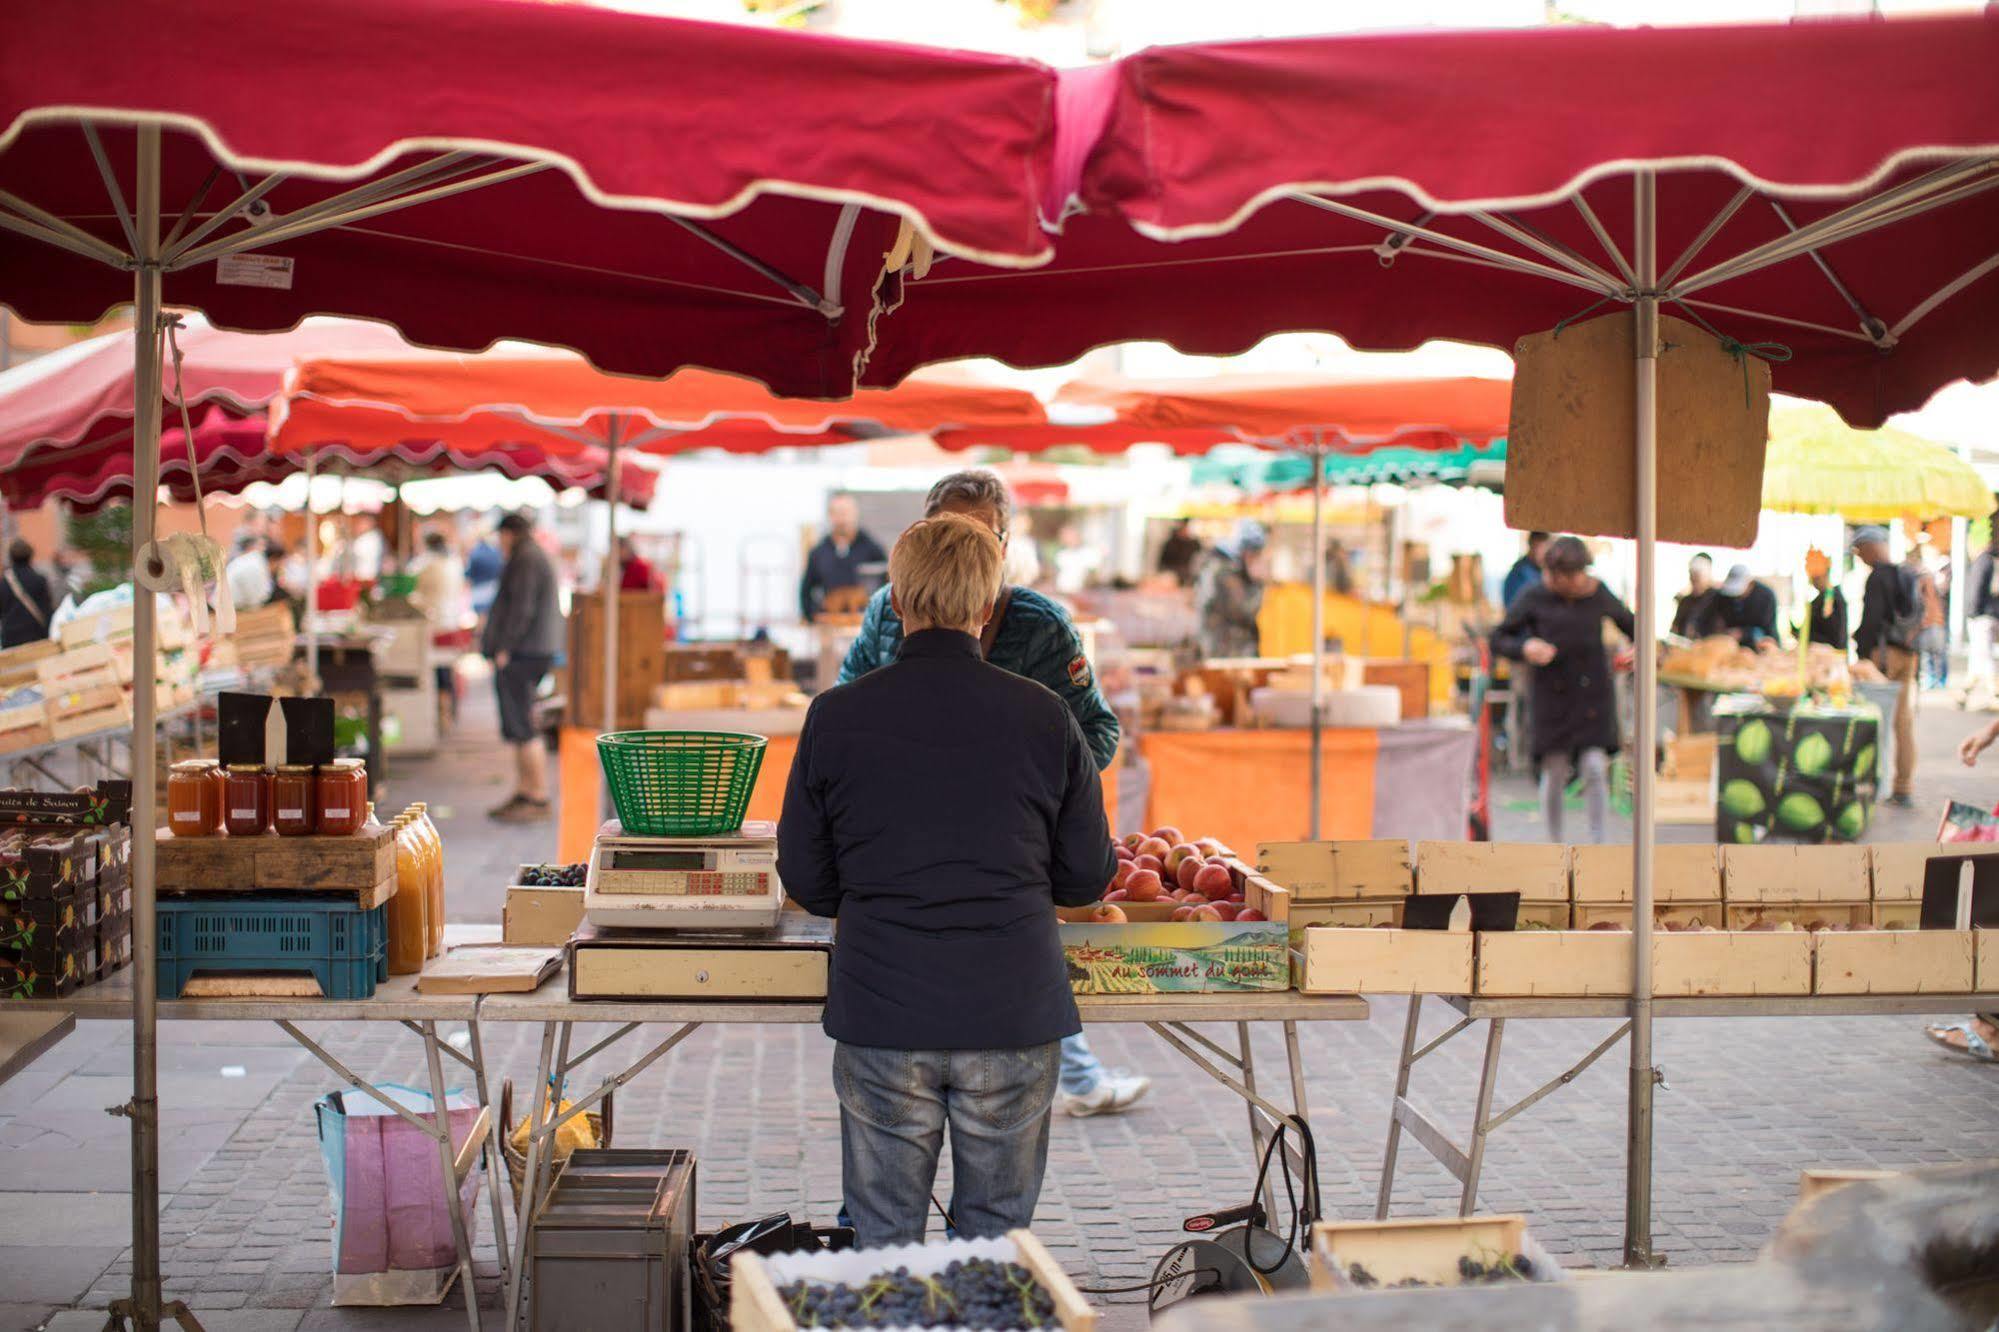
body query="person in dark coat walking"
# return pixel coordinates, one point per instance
(25, 601)
(941, 808)
(1557, 628)
(522, 637)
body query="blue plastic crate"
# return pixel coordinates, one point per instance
(344, 947)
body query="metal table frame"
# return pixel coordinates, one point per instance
(1171, 1017)
(1466, 1164)
(396, 1001)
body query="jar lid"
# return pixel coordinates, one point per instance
(246, 768)
(346, 765)
(194, 765)
(296, 769)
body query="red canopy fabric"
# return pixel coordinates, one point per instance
(660, 192)
(233, 454)
(1224, 178)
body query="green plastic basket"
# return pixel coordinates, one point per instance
(681, 783)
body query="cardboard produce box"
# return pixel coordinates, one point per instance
(1378, 869)
(1332, 960)
(1895, 962)
(1797, 885)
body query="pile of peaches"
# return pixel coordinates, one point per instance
(1162, 866)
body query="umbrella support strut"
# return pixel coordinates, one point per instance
(1318, 624)
(613, 582)
(1638, 1251)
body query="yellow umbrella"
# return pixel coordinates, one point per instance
(1819, 464)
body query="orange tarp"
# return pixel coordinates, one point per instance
(1434, 413)
(1245, 787)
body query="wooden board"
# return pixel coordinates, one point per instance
(1897, 916)
(641, 656)
(367, 899)
(1816, 1183)
(489, 969)
(1804, 915)
(1895, 962)
(17, 664)
(1585, 915)
(1898, 867)
(1779, 873)
(26, 737)
(1538, 872)
(1368, 961)
(245, 864)
(544, 917)
(252, 985)
(1411, 679)
(1985, 948)
(1718, 962)
(1421, 1248)
(1545, 963)
(1688, 872)
(73, 724)
(1371, 912)
(1572, 439)
(1340, 871)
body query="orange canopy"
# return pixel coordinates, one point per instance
(1289, 408)
(551, 397)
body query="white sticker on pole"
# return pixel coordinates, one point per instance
(254, 270)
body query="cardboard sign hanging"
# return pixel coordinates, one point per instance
(1571, 451)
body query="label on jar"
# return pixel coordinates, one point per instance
(336, 811)
(187, 816)
(291, 813)
(242, 813)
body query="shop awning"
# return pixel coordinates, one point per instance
(1827, 186)
(1818, 464)
(1261, 473)
(652, 192)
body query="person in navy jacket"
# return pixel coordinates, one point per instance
(941, 808)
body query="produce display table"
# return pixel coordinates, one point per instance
(1242, 787)
(396, 1000)
(25, 1037)
(1465, 1164)
(1171, 1016)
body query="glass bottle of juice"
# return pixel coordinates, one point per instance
(409, 909)
(434, 843)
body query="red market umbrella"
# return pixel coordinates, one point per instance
(652, 192)
(1826, 185)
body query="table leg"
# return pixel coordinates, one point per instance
(1488, 1080)
(537, 1110)
(496, 1164)
(1258, 1134)
(461, 1233)
(1402, 1071)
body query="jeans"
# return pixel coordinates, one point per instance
(1081, 1069)
(1555, 775)
(894, 1105)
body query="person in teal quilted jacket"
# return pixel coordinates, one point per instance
(1031, 636)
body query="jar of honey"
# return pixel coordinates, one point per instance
(194, 798)
(342, 804)
(294, 804)
(246, 799)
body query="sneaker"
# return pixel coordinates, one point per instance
(1901, 800)
(523, 810)
(1114, 1094)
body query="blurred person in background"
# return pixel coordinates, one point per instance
(252, 581)
(482, 573)
(1981, 610)
(846, 557)
(1228, 594)
(1557, 628)
(1076, 564)
(1526, 570)
(1825, 618)
(25, 600)
(1933, 583)
(523, 634)
(635, 572)
(1891, 621)
(440, 595)
(1693, 612)
(1746, 610)
(1180, 552)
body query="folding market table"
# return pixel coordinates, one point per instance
(1172, 1016)
(1466, 1163)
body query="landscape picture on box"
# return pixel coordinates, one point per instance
(1805, 774)
(1176, 958)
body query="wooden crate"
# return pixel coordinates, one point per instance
(1424, 1249)
(1803, 915)
(1588, 915)
(1340, 871)
(1553, 963)
(1895, 962)
(1896, 868)
(641, 656)
(1985, 968)
(1411, 679)
(1367, 961)
(1680, 873)
(69, 725)
(1780, 873)
(1538, 872)
(17, 664)
(1369, 912)
(1817, 1183)
(1896, 916)
(754, 1304)
(1597, 963)
(24, 728)
(356, 864)
(1723, 962)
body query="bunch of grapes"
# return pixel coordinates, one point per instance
(984, 1294)
(553, 876)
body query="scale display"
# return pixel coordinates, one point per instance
(693, 883)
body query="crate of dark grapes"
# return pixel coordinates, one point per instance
(1419, 1253)
(1009, 1284)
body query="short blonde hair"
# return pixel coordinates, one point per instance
(946, 572)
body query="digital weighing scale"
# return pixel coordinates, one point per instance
(725, 882)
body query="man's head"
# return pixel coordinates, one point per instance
(843, 515)
(978, 495)
(1537, 545)
(1700, 572)
(514, 528)
(20, 552)
(1565, 567)
(436, 542)
(1738, 582)
(1871, 544)
(1251, 536)
(945, 573)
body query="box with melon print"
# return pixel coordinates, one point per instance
(1799, 773)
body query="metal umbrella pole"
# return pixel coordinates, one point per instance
(1318, 623)
(1644, 1077)
(311, 569)
(613, 598)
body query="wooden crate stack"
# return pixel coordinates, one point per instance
(265, 637)
(82, 692)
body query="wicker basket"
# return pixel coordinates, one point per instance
(517, 1166)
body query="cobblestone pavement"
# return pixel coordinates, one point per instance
(245, 1223)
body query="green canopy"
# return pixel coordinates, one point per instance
(1261, 472)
